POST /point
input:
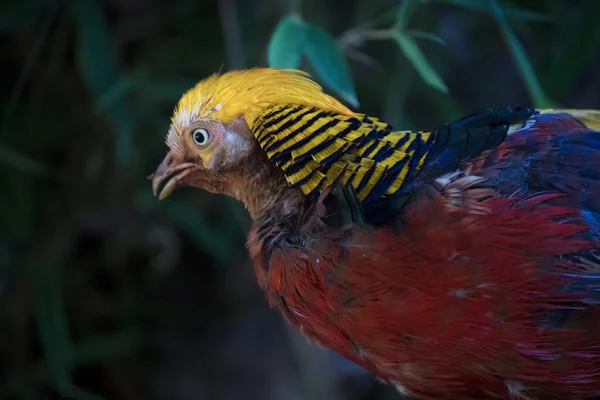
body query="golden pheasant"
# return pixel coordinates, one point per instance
(457, 263)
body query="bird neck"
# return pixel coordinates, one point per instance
(265, 192)
(282, 216)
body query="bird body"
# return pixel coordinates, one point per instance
(462, 262)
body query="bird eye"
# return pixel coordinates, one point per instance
(200, 136)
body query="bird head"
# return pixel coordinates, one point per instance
(211, 140)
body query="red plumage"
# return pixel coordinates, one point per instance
(489, 290)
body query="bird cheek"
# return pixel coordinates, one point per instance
(208, 160)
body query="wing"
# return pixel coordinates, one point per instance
(557, 152)
(316, 149)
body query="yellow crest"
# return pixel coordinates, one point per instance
(248, 92)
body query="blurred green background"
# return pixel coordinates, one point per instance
(106, 292)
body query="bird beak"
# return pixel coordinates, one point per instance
(173, 173)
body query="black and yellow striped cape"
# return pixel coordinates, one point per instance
(316, 149)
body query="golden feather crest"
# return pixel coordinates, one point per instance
(248, 92)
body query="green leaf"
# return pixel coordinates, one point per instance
(527, 73)
(405, 12)
(511, 12)
(413, 53)
(98, 66)
(385, 19)
(418, 34)
(287, 43)
(96, 53)
(329, 63)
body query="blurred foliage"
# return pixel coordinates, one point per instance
(107, 293)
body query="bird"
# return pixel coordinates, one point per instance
(459, 262)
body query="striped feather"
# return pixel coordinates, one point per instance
(316, 149)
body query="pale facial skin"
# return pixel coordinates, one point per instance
(220, 159)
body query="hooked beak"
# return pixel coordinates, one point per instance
(174, 175)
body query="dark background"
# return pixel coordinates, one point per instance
(106, 292)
